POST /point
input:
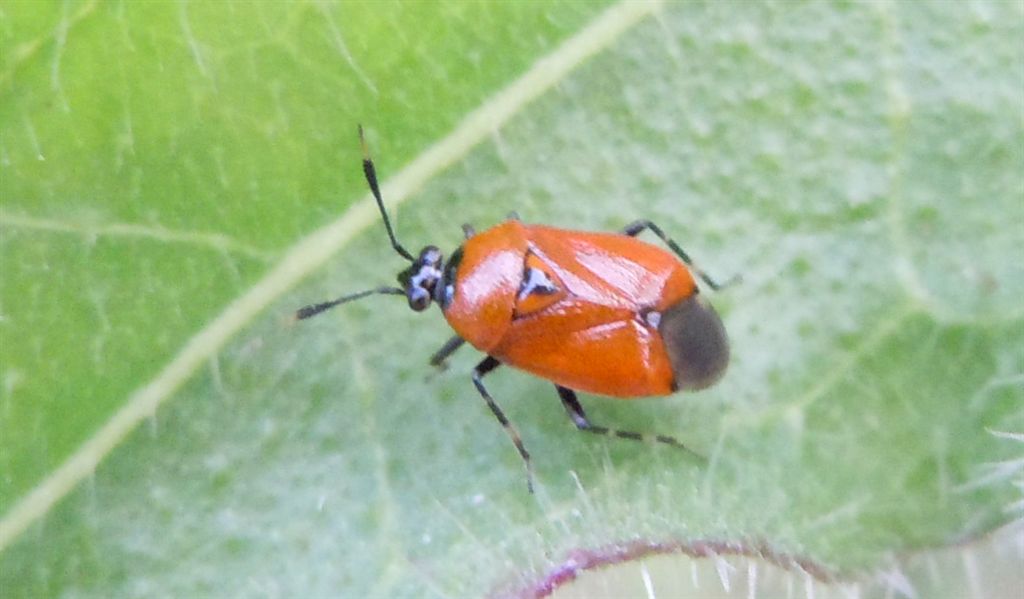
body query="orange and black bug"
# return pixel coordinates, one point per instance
(601, 313)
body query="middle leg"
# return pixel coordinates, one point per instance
(488, 364)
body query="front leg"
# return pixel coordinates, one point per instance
(439, 359)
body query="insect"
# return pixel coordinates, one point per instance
(600, 313)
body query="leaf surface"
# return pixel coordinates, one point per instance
(859, 165)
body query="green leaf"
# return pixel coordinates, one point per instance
(169, 171)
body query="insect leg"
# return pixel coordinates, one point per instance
(468, 230)
(579, 418)
(314, 309)
(635, 228)
(488, 364)
(440, 357)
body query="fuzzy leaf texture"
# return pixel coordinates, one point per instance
(166, 173)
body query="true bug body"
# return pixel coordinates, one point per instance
(583, 310)
(596, 312)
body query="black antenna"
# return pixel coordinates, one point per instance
(314, 309)
(371, 178)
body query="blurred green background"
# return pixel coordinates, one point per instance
(859, 163)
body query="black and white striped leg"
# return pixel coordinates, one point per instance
(579, 418)
(635, 228)
(488, 364)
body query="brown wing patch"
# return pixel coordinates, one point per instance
(539, 289)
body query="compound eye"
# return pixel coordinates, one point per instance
(419, 299)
